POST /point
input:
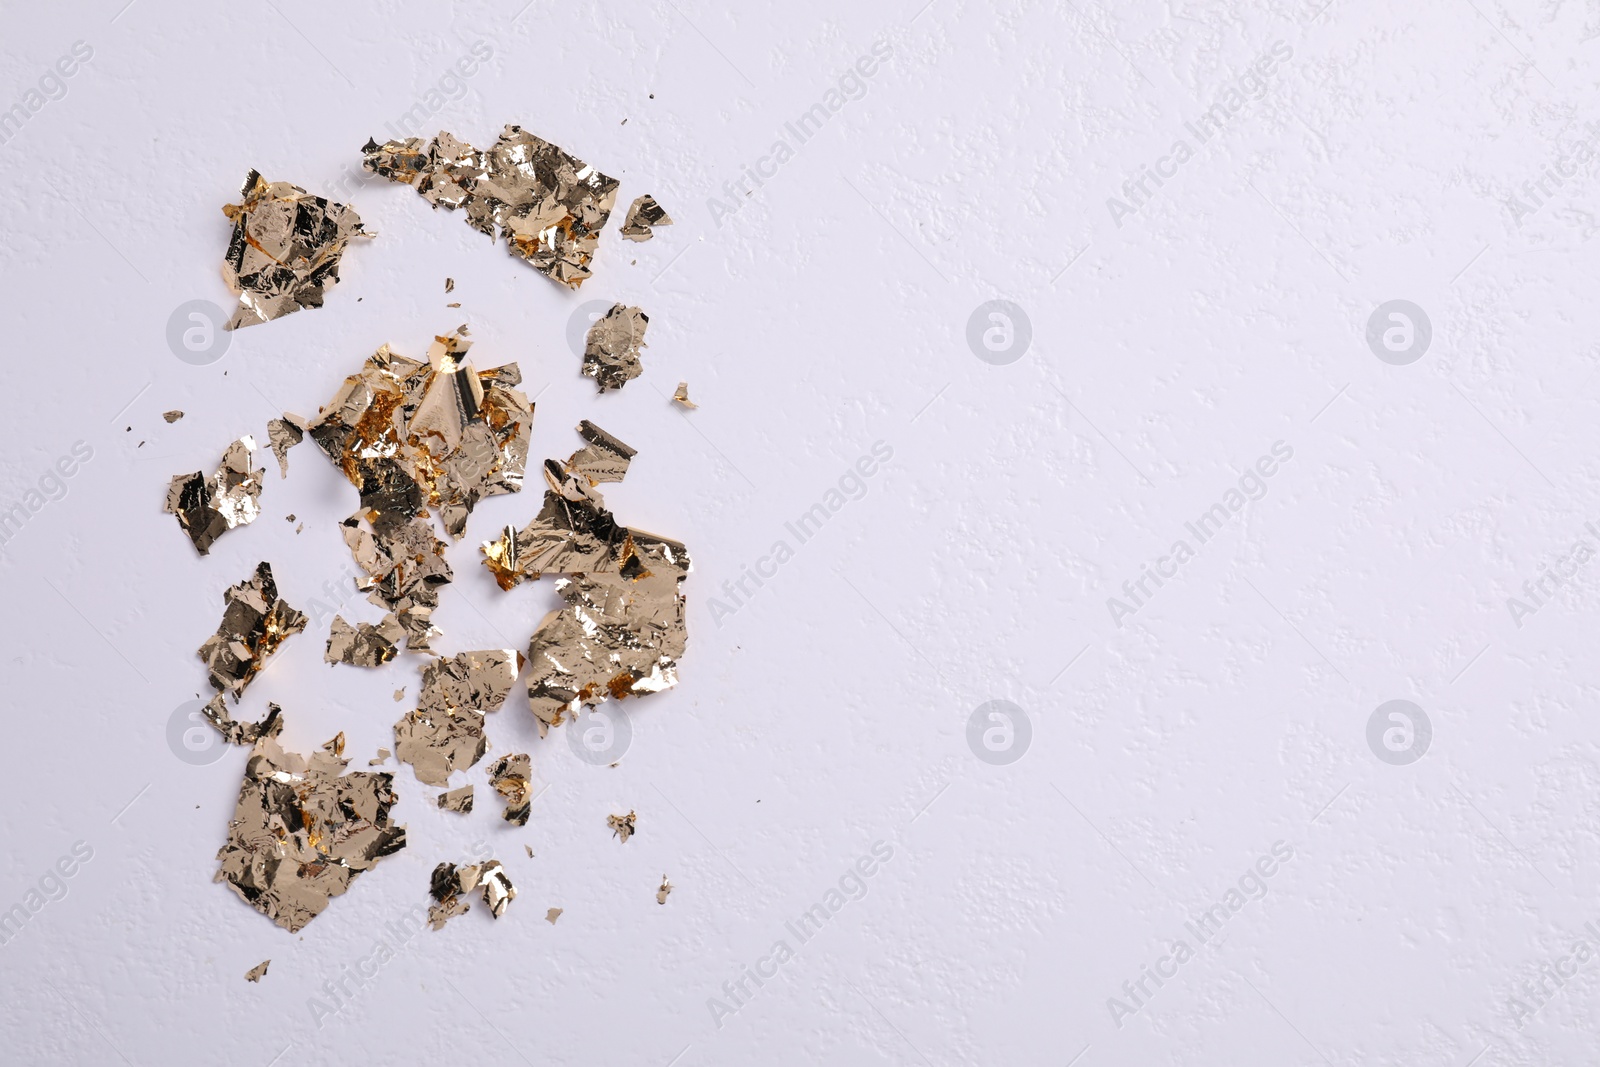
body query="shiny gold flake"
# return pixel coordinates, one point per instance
(549, 206)
(666, 888)
(451, 885)
(438, 743)
(449, 285)
(255, 621)
(623, 627)
(552, 915)
(438, 434)
(457, 800)
(285, 249)
(680, 395)
(477, 680)
(282, 435)
(382, 758)
(209, 507)
(644, 213)
(622, 825)
(509, 775)
(603, 459)
(258, 972)
(363, 645)
(171, 417)
(303, 830)
(611, 349)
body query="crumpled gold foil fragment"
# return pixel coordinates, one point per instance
(623, 628)
(240, 733)
(510, 777)
(303, 830)
(450, 885)
(172, 416)
(622, 825)
(285, 249)
(258, 972)
(548, 205)
(255, 621)
(416, 435)
(439, 742)
(457, 799)
(681, 395)
(478, 680)
(363, 645)
(662, 893)
(611, 348)
(282, 435)
(209, 507)
(644, 213)
(405, 566)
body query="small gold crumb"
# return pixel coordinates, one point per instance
(666, 887)
(455, 305)
(622, 825)
(256, 973)
(288, 518)
(681, 396)
(552, 915)
(399, 695)
(449, 285)
(530, 850)
(172, 416)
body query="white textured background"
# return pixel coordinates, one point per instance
(830, 711)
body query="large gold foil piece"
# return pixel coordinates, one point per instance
(302, 831)
(548, 205)
(611, 348)
(413, 435)
(404, 566)
(643, 214)
(255, 621)
(285, 249)
(208, 507)
(623, 628)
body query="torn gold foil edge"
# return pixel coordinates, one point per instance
(285, 249)
(206, 507)
(643, 214)
(623, 628)
(548, 205)
(611, 347)
(303, 830)
(282, 435)
(255, 621)
(510, 775)
(458, 800)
